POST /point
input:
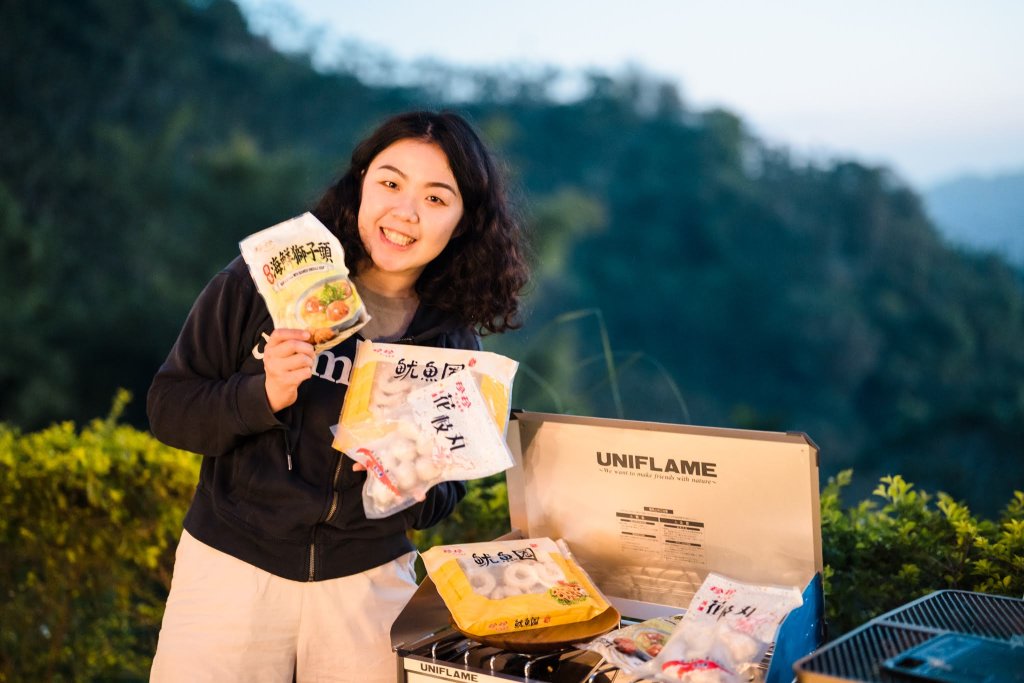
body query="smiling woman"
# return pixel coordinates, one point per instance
(278, 576)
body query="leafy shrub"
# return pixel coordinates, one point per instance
(882, 554)
(90, 520)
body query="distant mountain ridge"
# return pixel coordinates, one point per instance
(983, 212)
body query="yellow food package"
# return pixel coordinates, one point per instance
(299, 269)
(505, 586)
(383, 376)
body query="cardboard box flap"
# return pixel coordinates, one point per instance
(649, 508)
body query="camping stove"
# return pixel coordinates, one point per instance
(449, 656)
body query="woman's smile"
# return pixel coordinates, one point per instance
(396, 238)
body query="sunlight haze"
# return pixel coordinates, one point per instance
(931, 89)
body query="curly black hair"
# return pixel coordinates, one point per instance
(478, 276)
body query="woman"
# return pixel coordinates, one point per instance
(278, 571)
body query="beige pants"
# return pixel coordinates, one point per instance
(229, 621)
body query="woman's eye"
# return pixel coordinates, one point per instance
(390, 184)
(434, 199)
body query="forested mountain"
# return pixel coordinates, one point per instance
(686, 271)
(982, 212)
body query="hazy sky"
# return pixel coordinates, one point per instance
(931, 88)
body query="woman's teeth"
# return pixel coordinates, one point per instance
(397, 237)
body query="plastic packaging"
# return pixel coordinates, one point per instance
(504, 586)
(299, 269)
(630, 647)
(725, 633)
(415, 416)
(443, 432)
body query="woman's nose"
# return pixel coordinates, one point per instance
(405, 209)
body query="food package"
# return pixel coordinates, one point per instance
(415, 416)
(299, 269)
(383, 375)
(443, 433)
(725, 633)
(630, 647)
(506, 586)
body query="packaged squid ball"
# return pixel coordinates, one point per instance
(417, 415)
(512, 585)
(442, 432)
(299, 269)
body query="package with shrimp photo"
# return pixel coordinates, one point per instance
(725, 633)
(512, 585)
(299, 269)
(444, 433)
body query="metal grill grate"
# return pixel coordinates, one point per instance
(858, 655)
(977, 614)
(486, 664)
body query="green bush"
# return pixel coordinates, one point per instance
(882, 554)
(89, 524)
(91, 517)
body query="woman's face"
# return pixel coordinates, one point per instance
(410, 207)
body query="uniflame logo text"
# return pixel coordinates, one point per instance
(696, 468)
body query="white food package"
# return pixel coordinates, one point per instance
(441, 432)
(724, 633)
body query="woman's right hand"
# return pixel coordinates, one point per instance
(288, 360)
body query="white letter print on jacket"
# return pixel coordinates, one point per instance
(330, 367)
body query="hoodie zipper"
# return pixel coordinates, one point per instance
(330, 513)
(312, 540)
(287, 447)
(334, 488)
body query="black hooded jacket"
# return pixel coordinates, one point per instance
(272, 490)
